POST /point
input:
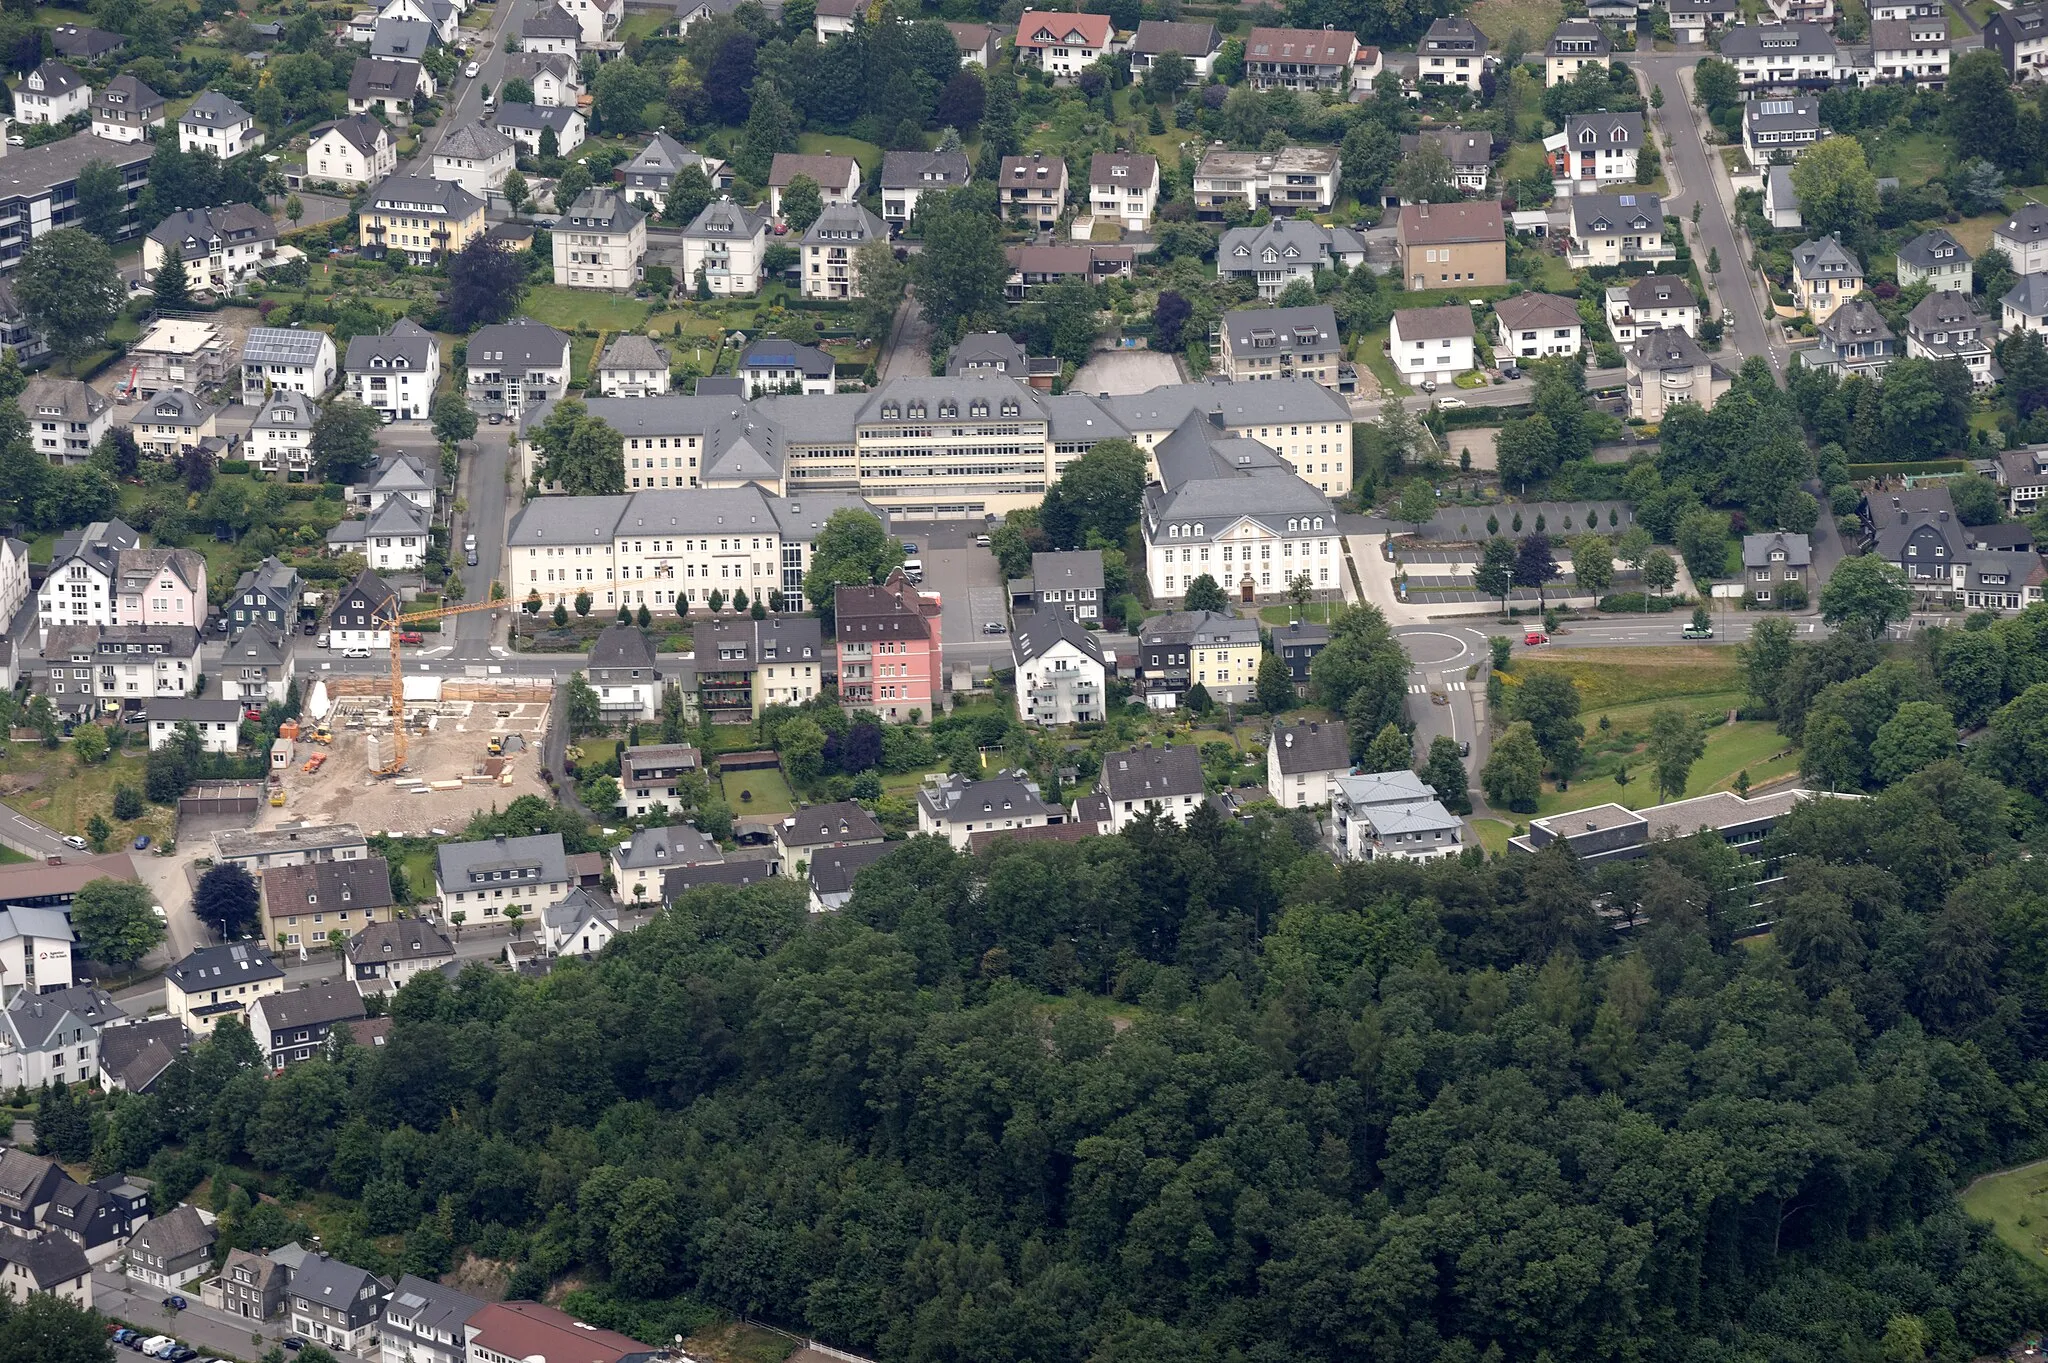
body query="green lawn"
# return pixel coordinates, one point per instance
(1553, 275)
(820, 144)
(571, 309)
(1371, 352)
(1524, 161)
(1535, 18)
(1493, 835)
(1648, 674)
(640, 25)
(757, 792)
(2016, 1204)
(1744, 746)
(1915, 158)
(49, 784)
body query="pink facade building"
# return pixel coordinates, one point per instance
(889, 655)
(161, 587)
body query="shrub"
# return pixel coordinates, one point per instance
(1633, 603)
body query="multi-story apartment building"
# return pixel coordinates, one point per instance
(1617, 229)
(1452, 245)
(485, 880)
(1033, 189)
(744, 665)
(1300, 59)
(889, 649)
(831, 250)
(422, 219)
(281, 438)
(286, 359)
(1061, 678)
(1063, 45)
(39, 193)
(724, 248)
(1779, 128)
(351, 152)
(1284, 250)
(1284, 343)
(395, 374)
(478, 157)
(1666, 368)
(652, 774)
(1913, 49)
(907, 176)
(1123, 189)
(1782, 54)
(214, 123)
(222, 248)
(172, 423)
(600, 242)
(79, 589)
(126, 110)
(1824, 276)
(1652, 303)
(107, 668)
(66, 418)
(1575, 45)
(516, 366)
(1291, 180)
(220, 982)
(1596, 149)
(161, 587)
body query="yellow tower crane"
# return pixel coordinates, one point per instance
(398, 671)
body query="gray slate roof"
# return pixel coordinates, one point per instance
(474, 142)
(1757, 549)
(1600, 215)
(1155, 36)
(195, 231)
(421, 194)
(214, 109)
(360, 130)
(2029, 296)
(603, 210)
(522, 342)
(314, 1005)
(1312, 327)
(1040, 633)
(1823, 258)
(407, 346)
(727, 221)
(176, 1234)
(1932, 250)
(842, 821)
(223, 966)
(1152, 773)
(1309, 746)
(552, 21)
(845, 225)
(538, 858)
(673, 846)
(1761, 40)
(384, 78)
(924, 170)
(287, 410)
(631, 350)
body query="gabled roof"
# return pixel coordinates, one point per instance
(932, 169)
(68, 399)
(258, 645)
(1157, 36)
(1040, 633)
(1300, 46)
(1580, 31)
(1309, 746)
(359, 130)
(53, 78)
(1661, 291)
(1118, 169)
(1932, 250)
(1312, 328)
(1150, 773)
(825, 171)
(622, 648)
(84, 43)
(1536, 310)
(49, 1260)
(1449, 223)
(198, 231)
(177, 1233)
(1243, 248)
(820, 825)
(136, 1054)
(1466, 151)
(1603, 129)
(285, 345)
(602, 210)
(287, 410)
(1777, 40)
(1757, 550)
(576, 908)
(1038, 28)
(551, 21)
(521, 341)
(312, 1005)
(1825, 257)
(676, 845)
(1599, 215)
(315, 886)
(214, 109)
(776, 352)
(834, 869)
(406, 346)
(401, 939)
(475, 142)
(1006, 795)
(407, 38)
(222, 966)
(1452, 321)
(422, 194)
(2029, 296)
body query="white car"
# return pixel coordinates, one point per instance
(73, 841)
(1450, 402)
(355, 653)
(471, 70)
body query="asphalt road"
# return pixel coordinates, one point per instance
(209, 1331)
(1513, 393)
(466, 105)
(481, 483)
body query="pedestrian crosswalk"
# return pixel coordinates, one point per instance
(1424, 688)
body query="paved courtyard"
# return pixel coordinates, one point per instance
(1122, 372)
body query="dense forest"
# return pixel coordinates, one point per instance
(1199, 1094)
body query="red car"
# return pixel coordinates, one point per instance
(411, 636)
(252, 714)
(1533, 638)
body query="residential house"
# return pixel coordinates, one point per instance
(173, 1250)
(516, 366)
(1537, 326)
(639, 862)
(1654, 302)
(775, 365)
(1938, 260)
(1035, 267)
(550, 28)
(51, 93)
(1164, 781)
(212, 983)
(80, 586)
(1824, 276)
(1184, 649)
(126, 110)
(1286, 249)
(624, 675)
(306, 903)
(1304, 759)
(1772, 560)
(2024, 239)
(1391, 815)
(135, 1053)
(2025, 305)
(406, 38)
(1453, 52)
(51, 1036)
(2020, 37)
(118, 667)
(286, 359)
(907, 176)
(1297, 645)
(1432, 345)
(837, 178)
(1068, 582)
(1595, 149)
(178, 352)
(45, 1263)
(1854, 340)
(598, 19)
(490, 879)
(252, 1286)
(363, 614)
(1033, 189)
(1781, 199)
(954, 806)
(83, 43)
(439, 16)
(833, 871)
(281, 437)
(979, 44)
(1279, 343)
(831, 250)
(557, 81)
(172, 423)
(1617, 229)
(393, 538)
(2023, 473)
(214, 123)
(1470, 155)
(723, 248)
(889, 649)
(995, 352)
(335, 1304)
(1123, 188)
(1574, 45)
(600, 243)
(395, 374)
(836, 18)
(1062, 45)
(744, 666)
(476, 156)
(1769, 55)
(221, 247)
(267, 594)
(217, 722)
(387, 86)
(1453, 245)
(738, 872)
(28, 1184)
(257, 667)
(420, 219)
(1777, 129)
(1197, 43)
(648, 177)
(293, 1025)
(632, 367)
(1913, 49)
(351, 152)
(411, 475)
(1667, 367)
(800, 836)
(652, 775)
(1061, 676)
(1290, 180)
(1319, 59)
(66, 418)
(1951, 326)
(423, 1323)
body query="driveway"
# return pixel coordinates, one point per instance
(971, 589)
(908, 353)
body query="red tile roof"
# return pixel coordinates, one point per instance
(1088, 30)
(526, 1329)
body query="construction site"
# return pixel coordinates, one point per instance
(468, 744)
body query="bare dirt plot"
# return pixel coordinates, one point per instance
(1121, 372)
(450, 749)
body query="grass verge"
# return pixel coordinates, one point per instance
(1493, 835)
(48, 784)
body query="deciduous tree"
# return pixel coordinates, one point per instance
(69, 289)
(113, 921)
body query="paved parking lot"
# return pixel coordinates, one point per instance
(1121, 372)
(970, 587)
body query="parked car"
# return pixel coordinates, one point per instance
(909, 548)
(1450, 402)
(472, 559)
(411, 636)
(1532, 638)
(355, 653)
(175, 1302)
(995, 627)
(292, 1343)
(252, 713)
(1695, 632)
(982, 541)
(142, 842)
(471, 70)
